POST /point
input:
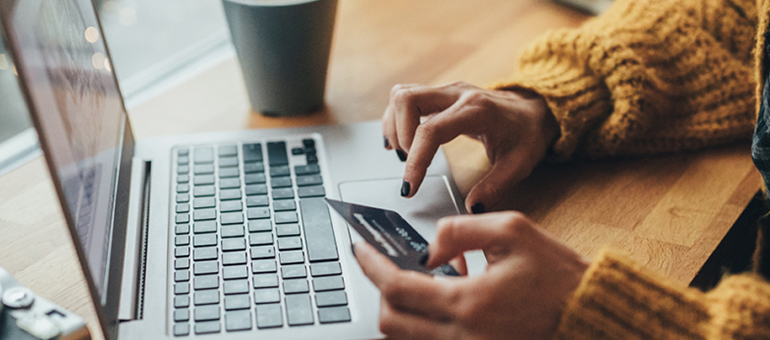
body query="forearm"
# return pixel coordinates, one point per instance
(646, 77)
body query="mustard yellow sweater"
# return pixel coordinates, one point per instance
(653, 76)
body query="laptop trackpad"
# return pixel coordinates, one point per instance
(433, 201)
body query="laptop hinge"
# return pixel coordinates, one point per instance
(132, 292)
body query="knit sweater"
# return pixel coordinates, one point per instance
(654, 76)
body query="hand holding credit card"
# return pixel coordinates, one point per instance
(391, 235)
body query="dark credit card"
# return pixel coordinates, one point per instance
(391, 235)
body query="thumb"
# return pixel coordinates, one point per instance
(457, 234)
(500, 179)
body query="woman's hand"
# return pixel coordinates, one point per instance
(516, 128)
(521, 295)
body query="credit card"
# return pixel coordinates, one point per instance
(391, 235)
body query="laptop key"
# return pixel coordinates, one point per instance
(183, 208)
(289, 243)
(291, 257)
(204, 191)
(267, 295)
(233, 258)
(260, 239)
(239, 301)
(206, 297)
(269, 316)
(182, 329)
(181, 315)
(236, 287)
(258, 213)
(284, 193)
(319, 235)
(227, 150)
(262, 252)
(233, 244)
(203, 155)
(295, 286)
(229, 173)
(286, 217)
(229, 194)
(263, 266)
(238, 321)
(297, 151)
(206, 313)
(207, 327)
(276, 153)
(308, 142)
(181, 288)
(281, 182)
(205, 267)
(205, 169)
(183, 160)
(260, 225)
(310, 169)
(312, 159)
(333, 314)
(182, 188)
(182, 251)
(257, 201)
(181, 301)
(205, 240)
(205, 214)
(183, 263)
(183, 179)
(256, 189)
(232, 231)
(183, 169)
(182, 240)
(294, 271)
(330, 299)
(182, 218)
(279, 171)
(325, 269)
(229, 183)
(234, 272)
(287, 230)
(228, 162)
(204, 202)
(181, 275)
(203, 180)
(312, 191)
(232, 218)
(182, 198)
(182, 152)
(299, 310)
(265, 281)
(204, 227)
(205, 253)
(206, 282)
(231, 206)
(303, 181)
(252, 168)
(252, 152)
(258, 178)
(323, 284)
(284, 205)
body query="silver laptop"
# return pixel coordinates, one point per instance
(219, 235)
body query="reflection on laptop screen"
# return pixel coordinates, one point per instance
(76, 103)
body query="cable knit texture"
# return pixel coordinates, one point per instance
(648, 77)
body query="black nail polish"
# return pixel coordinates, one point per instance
(477, 208)
(385, 141)
(405, 189)
(424, 259)
(401, 155)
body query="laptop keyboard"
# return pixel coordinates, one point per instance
(254, 246)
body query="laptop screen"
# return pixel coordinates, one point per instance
(73, 96)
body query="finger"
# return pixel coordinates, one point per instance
(412, 102)
(455, 235)
(501, 178)
(459, 264)
(389, 118)
(444, 127)
(406, 290)
(396, 324)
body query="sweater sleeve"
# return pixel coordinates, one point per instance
(647, 77)
(618, 299)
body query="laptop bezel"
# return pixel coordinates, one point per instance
(106, 306)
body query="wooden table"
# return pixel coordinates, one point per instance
(668, 212)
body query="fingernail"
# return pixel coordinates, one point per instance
(424, 259)
(477, 208)
(405, 189)
(385, 140)
(401, 155)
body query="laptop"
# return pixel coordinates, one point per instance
(217, 235)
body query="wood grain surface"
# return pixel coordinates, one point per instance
(667, 212)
